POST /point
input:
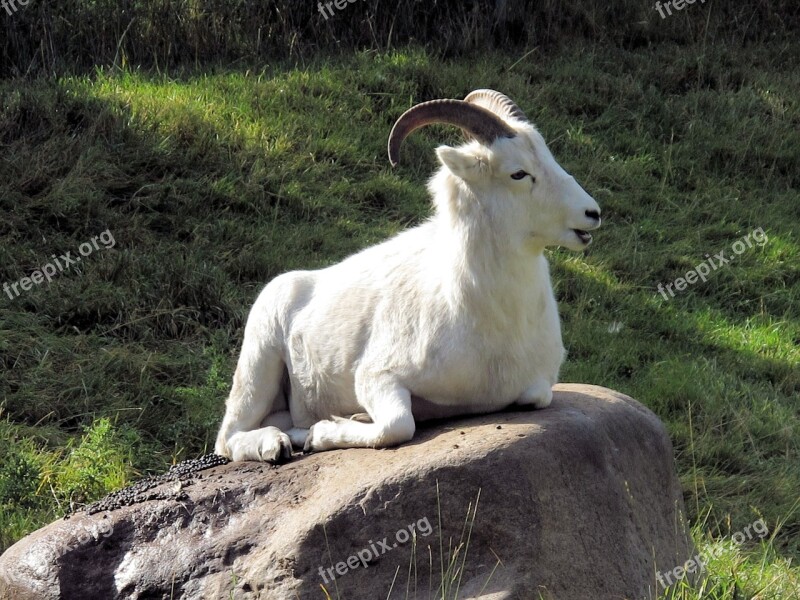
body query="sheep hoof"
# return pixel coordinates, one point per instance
(321, 437)
(268, 444)
(539, 395)
(277, 453)
(361, 418)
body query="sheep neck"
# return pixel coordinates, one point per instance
(485, 269)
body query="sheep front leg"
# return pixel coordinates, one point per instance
(256, 387)
(389, 406)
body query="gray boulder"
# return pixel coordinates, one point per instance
(576, 501)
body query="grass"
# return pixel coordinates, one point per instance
(214, 183)
(43, 38)
(757, 571)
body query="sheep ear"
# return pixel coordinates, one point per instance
(461, 163)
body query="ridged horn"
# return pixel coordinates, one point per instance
(479, 122)
(498, 103)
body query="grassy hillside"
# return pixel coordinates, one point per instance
(211, 184)
(55, 37)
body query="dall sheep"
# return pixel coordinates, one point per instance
(455, 316)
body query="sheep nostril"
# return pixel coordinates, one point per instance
(593, 214)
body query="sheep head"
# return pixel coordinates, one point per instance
(507, 168)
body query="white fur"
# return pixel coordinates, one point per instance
(455, 316)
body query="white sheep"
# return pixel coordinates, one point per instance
(455, 316)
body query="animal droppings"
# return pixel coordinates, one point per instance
(143, 490)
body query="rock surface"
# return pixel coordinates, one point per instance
(576, 501)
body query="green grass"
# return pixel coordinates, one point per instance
(214, 183)
(45, 38)
(756, 570)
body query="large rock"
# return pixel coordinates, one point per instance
(579, 500)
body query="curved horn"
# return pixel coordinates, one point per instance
(481, 123)
(498, 103)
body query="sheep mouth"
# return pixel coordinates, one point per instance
(583, 236)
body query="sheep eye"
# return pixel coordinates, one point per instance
(518, 175)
